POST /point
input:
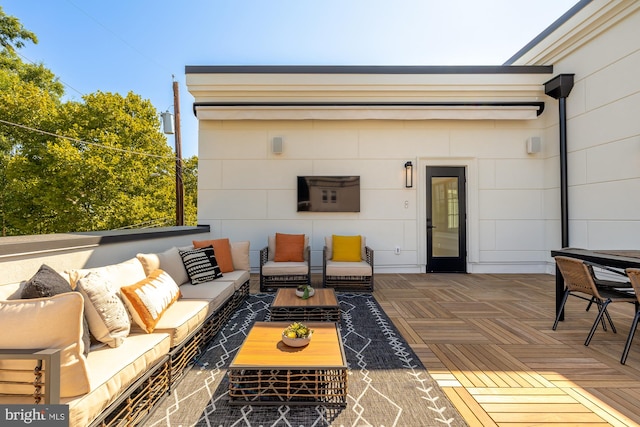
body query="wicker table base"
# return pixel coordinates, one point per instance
(265, 371)
(321, 307)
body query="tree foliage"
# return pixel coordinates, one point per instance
(98, 164)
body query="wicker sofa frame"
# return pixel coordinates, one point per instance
(140, 401)
(348, 283)
(271, 283)
(136, 403)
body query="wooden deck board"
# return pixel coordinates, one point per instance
(487, 340)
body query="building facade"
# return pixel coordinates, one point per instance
(483, 144)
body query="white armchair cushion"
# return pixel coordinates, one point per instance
(341, 268)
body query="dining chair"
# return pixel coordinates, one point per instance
(579, 280)
(634, 277)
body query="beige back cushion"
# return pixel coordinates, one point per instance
(240, 255)
(123, 274)
(170, 261)
(40, 323)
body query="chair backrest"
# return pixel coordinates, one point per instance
(271, 243)
(577, 275)
(634, 277)
(328, 242)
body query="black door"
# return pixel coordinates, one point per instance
(446, 220)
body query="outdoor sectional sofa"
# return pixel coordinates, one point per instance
(113, 385)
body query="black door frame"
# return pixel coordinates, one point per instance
(447, 264)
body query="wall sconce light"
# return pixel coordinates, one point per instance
(408, 171)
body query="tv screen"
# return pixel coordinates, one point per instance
(328, 194)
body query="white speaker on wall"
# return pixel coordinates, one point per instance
(534, 145)
(276, 145)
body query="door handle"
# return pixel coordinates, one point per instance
(431, 226)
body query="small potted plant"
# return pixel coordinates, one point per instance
(305, 291)
(297, 334)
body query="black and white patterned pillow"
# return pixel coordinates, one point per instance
(201, 265)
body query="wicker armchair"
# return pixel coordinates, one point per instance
(276, 274)
(580, 282)
(634, 276)
(347, 275)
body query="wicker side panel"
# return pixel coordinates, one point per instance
(182, 357)
(273, 386)
(307, 314)
(139, 403)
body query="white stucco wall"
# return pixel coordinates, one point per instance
(603, 127)
(247, 193)
(513, 198)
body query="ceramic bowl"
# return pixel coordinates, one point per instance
(296, 342)
(300, 293)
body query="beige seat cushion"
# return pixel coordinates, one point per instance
(182, 318)
(51, 322)
(272, 268)
(114, 369)
(337, 268)
(238, 277)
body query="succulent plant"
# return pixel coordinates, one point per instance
(297, 330)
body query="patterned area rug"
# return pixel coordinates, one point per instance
(387, 384)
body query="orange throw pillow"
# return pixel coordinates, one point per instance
(222, 249)
(347, 248)
(289, 247)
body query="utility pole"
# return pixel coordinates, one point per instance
(179, 184)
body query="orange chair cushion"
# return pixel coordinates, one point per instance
(289, 247)
(222, 249)
(346, 248)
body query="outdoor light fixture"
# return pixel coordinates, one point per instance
(408, 170)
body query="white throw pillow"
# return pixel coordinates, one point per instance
(107, 316)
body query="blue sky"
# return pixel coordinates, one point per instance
(137, 45)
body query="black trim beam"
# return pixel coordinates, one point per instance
(368, 69)
(539, 105)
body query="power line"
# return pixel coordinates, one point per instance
(118, 36)
(61, 81)
(86, 142)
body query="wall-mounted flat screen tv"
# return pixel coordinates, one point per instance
(328, 194)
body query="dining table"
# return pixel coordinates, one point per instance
(609, 258)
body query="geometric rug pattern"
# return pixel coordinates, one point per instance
(387, 383)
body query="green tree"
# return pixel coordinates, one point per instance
(111, 174)
(190, 182)
(98, 164)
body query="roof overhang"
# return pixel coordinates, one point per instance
(368, 93)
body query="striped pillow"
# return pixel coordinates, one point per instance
(201, 265)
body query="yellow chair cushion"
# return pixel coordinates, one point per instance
(346, 248)
(289, 248)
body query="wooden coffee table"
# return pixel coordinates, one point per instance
(265, 371)
(322, 306)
